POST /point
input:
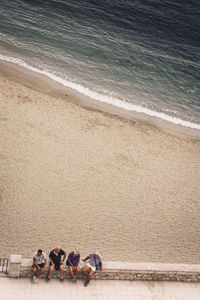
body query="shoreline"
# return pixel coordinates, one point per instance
(46, 85)
(132, 188)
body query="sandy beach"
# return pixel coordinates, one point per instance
(85, 178)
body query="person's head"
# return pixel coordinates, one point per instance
(57, 249)
(39, 253)
(75, 253)
(96, 254)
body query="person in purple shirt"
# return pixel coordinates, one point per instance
(95, 263)
(73, 264)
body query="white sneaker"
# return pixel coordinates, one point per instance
(35, 280)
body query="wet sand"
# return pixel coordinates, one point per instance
(81, 177)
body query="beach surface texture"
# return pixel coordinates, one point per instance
(13, 289)
(80, 177)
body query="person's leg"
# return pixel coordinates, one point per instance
(85, 270)
(40, 272)
(71, 272)
(89, 277)
(61, 271)
(50, 271)
(35, 271)
(77, 270)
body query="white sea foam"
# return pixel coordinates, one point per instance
(103, 98)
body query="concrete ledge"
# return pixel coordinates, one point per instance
(130, 271)
(14, 266)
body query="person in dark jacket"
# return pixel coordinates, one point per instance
(56, 258)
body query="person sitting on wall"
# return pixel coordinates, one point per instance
(56, 261)
(73, 264)
(39, 263)
(95, 263)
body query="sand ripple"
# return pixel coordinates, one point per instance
(78, 178)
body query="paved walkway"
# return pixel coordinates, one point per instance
(24, 289)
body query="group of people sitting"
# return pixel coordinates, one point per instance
(56, 261)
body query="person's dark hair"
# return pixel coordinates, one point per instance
(40, 251)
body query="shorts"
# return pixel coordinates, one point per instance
(68, 264)
(93, 268)
(57, 267)
(40, 265)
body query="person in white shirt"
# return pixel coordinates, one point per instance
(39, 263)
(95, 263)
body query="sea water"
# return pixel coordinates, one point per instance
(141, 55)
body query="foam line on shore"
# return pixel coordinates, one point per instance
(103, 98)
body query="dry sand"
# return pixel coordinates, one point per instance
(87, 179)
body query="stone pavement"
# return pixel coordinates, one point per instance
(24, 289)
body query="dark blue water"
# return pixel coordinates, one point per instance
(138, 55)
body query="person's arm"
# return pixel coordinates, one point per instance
(101, 265)
(86, 258)
(45, 262)
(64, 257)
(62, 260)
(35, 263)
(70, 262)
(78, 262)
(51, 259)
